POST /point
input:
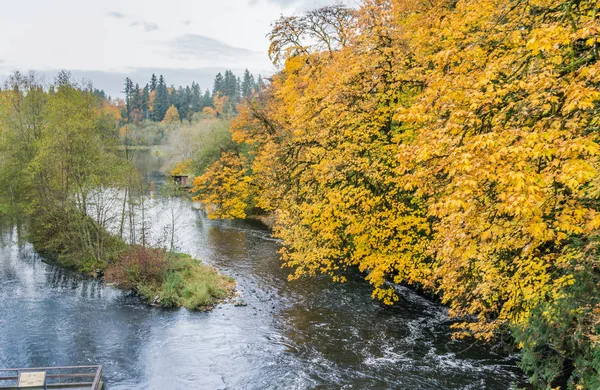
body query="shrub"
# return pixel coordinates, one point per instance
(139, 266)
(170, 280)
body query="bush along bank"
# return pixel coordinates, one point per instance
(170, 279)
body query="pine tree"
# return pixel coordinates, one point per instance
(161, 102)
(206, 100)
(171, 95)
(136, 103)
(128, 89)
(187, 103)
(153, 82)
(219, 84)
(146, 102)
(196, 98)
(229, 85)
(260, 84)
(248, 84)
(179, 101)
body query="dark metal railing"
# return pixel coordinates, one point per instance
(88, 377)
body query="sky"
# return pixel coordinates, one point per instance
(107, 40)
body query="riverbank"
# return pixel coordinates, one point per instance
(266, 219)
(159, 277)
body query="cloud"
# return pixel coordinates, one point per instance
(186, 22)
(286, 3)
(304, 5)
(148, 26)
(116, 15)
(194, 46)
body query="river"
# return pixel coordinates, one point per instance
(307, 334)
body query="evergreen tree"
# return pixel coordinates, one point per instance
(188, 103)
(196, 98)
(186, 99)
(128, 89)
(180, 102)
(136, 98)
(219, 84)
(135, 104)
(97, 92)
(161, 101)
(230, 85)
(260, 84)
(153, 82)
(146, 102)
(206, 100)
(248, 84)
(171, 95)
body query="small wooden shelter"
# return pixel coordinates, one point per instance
(181, 174)
(182, 180)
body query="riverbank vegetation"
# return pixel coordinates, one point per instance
(67, 167)
(170, 279)
(193, 127)
(448, 145)
(198, 144)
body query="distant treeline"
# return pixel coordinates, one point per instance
(152, 101)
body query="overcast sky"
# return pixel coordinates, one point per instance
(104, 40)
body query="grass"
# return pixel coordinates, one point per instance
(183, 282)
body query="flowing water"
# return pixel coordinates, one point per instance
(308, 334)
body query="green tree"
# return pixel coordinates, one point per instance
(260, 84)
(206, 100)
(146, 102)
(128, 90)
(161, 101)
(218, 84)
(153, 82)
(248, 84)
(196, 98)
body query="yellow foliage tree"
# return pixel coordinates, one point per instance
(221, 104)
(450, 145)
(171, 116)
(182, 168)
(112, 111)
(209, 112)
(224, 188)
